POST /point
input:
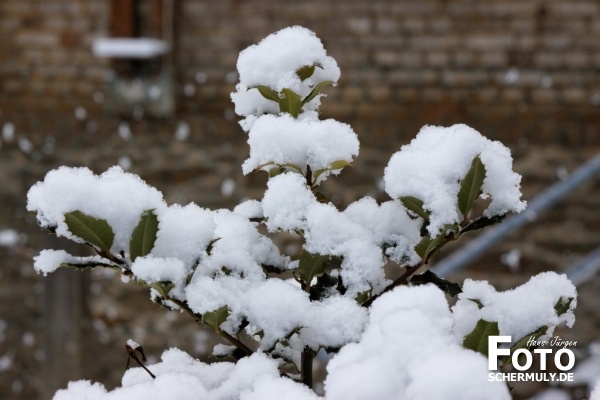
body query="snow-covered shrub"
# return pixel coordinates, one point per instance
(392, 338)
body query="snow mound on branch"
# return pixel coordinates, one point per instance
(184, 233)
(390, 226)
(405, 353)
(432, 165)
(181, 377)
(290, 205)
(49, 260)
(273, 63)
(284, 140)
(116, 196)
(534, 300)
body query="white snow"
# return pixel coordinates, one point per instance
(50, 260)
(534, 300)
(301, 142)
(115, 196)
(432, 165)
(390, 225)
(407, 352)
(155, 269)
(273, 63)
(183, 233)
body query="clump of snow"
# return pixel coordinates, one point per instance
(300, 142)
(290, 205)
(115, 196)
(286, 202)
(390, 226)
(405, 353)
(249, 209)
(240, 248)
(279, 308)
(519, 311)
(179, 376)
(431, 167)
(184, 233)
(50, 260)
(273, 63)
(329, 231)
(155, 269)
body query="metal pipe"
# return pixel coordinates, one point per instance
(470, 252)
(585, 269)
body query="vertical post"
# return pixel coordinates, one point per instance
(66, 321)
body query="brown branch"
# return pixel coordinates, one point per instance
(409, 271)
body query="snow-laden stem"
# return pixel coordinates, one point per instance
(408, 272)
(306, 366)
(198, 318)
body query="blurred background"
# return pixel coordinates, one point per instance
(526, 73)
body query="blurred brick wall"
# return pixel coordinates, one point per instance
(512, 69)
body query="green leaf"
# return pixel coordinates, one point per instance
(214, 319)
(470, 187)
(318, 87)
(415, 205)
(522, 343)
(427, 245)
(93, 230)
(562, 306)
(144, 235)
(311, 265)
(305, 72)
(268, 93)
(211, 246)
(321, 198)
(161, 287)
(483, 222)
(339, 164)
(478, 302)
(276, 171)
(362, 297)
(422, 247)
(290, 102)
(478, 339)
(428, 276)
(294, 167)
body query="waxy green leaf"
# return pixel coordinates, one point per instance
(522, 343)
(214, 319)
(428, 276)
(478, 339)
(470, 187)
(268, 93)
(305, 72)
(316, 90)
(144, 235)
(311, 265)
(338, 164)
(482, 222)
(290, 102)
(563, 305)
(92, 230)
(415, 205)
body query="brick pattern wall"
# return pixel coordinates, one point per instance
(514, 70)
